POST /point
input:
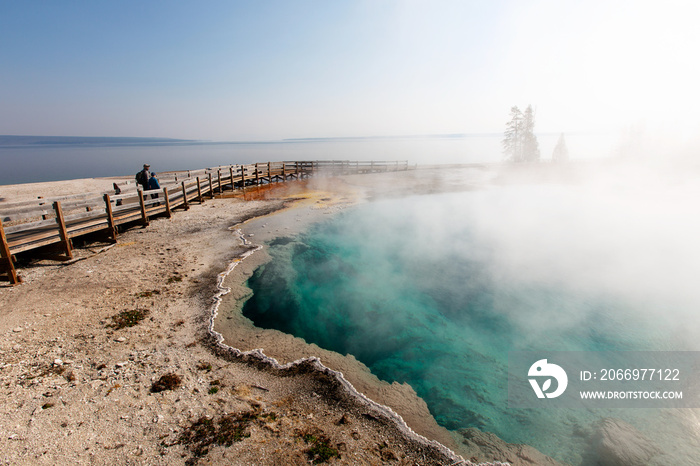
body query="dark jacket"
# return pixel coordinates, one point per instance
(143, 177)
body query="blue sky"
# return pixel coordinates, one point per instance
(266, 70)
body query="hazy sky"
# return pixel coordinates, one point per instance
(265, 70)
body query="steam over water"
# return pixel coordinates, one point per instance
(435, 290)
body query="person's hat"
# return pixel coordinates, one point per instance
(145, 165)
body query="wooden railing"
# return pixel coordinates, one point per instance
(52, 223)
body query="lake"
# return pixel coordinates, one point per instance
(35, 159)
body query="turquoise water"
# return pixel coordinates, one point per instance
(435, 290)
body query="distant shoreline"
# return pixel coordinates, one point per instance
(13, 141)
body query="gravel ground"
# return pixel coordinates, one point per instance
(78, 388)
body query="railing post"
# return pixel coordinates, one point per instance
(184, 197)
(110, 218)
(211, 188)
(230, 170)
(218, 174)
(167, 202)
(269, 172)
(242, 176)
(284, 171)
(142, 203)
(6, 259)
(199, 192)
(257, 174)
(62, 231)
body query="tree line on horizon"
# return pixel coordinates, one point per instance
(520, 142)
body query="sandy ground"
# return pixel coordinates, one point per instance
(28, 191)
(75, 389)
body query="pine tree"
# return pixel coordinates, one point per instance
(512, 138)
(531, 148)
(560, 153)
(519, 140)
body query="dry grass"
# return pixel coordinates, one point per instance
(166, 382)
(128, 318)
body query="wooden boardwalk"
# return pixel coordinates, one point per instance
(50, 224)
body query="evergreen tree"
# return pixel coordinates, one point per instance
(531, 148)
(512, 138)
(519, 140)
(560, 153)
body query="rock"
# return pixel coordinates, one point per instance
(120, 339)
(57, 362)
(17, 329)
(620, 444)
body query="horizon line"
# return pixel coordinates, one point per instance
(49, 139)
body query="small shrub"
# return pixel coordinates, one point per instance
(207, 432)
(203, 366)
(128, 318)
(321, 450)
(174, 278)
(166, 382)
(309, 438)
(213, 390)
